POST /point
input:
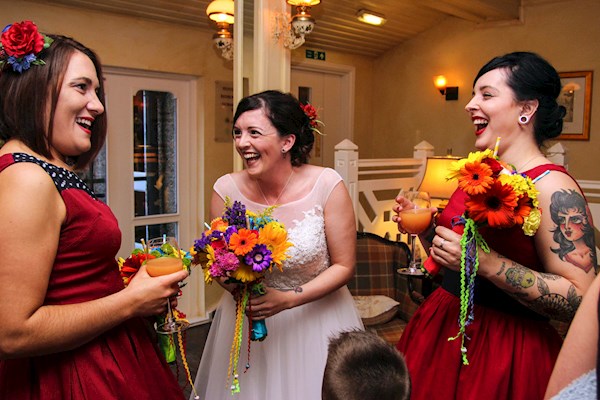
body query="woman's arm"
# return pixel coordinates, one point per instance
(340, 230)
(579, 352)
(31, 216)
(556, 292)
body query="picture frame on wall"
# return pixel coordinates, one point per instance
(576, 97)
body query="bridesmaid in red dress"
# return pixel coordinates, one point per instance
(70, 330)
(523, 281)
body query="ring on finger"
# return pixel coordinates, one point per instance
(442, 244)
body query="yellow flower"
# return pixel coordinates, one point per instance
(457, 167)
(245, 274)
(532, 222)
(210, 256)
(274, 236)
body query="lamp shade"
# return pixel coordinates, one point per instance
(221, 11)
(307, 3)
(434, 180)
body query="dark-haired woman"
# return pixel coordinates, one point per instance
(70, 330)
(521, 282)
(308, 301)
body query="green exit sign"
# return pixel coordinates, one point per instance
(315, 55)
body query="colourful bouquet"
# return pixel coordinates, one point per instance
(241, 246)
(497, 197)
(129, 266)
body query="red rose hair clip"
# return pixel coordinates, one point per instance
(20, 45)
(311, 113)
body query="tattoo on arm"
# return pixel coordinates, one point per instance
(552, 305)
(502, 267)
(573, 230)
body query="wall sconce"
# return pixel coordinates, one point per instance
(451, 92)
(434, 180)
(371, 18)
(221, 11)
(301, 24)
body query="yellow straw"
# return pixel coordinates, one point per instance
(496, 147)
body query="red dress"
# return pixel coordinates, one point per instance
(122, 363)
(511, 350)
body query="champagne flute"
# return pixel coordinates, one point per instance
(416, 218)
(170, 261)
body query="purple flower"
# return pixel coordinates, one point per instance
(236, 215)
(200, 244)
(230, 231)
(259, 258)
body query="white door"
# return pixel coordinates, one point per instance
(153, 184)
(330, 91)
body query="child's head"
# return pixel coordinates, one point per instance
(361, 365)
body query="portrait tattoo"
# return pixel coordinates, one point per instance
(573, 229)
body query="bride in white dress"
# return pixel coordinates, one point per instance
(308, 302)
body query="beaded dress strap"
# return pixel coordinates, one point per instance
(63, 179)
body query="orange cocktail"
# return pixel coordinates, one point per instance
(163, 266)
(415, 220)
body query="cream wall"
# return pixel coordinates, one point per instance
(408, 109)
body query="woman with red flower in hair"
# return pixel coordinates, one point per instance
(70, 329)
(519, 282)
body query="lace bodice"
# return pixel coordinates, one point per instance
(304, 220)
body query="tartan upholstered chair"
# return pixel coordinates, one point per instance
(381, 294)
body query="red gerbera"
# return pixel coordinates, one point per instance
(522, 209)
(476, 178)
(494, 207)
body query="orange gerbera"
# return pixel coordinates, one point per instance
(522, 209)
(494, 207)
(243, 241)
(476, 178)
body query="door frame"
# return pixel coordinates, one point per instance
(347, 74)
(190, 188)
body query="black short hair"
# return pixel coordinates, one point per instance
(531, 77)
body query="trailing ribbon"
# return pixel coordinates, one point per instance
(470, 241)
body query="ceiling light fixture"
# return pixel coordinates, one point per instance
(370, 17)
(221, 11)
(301, 24)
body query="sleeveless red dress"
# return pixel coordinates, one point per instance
(122, 363)
(511, 350)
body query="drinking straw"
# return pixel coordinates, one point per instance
(496, 147)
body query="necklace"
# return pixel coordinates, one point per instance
(522, 168)
(280, 193)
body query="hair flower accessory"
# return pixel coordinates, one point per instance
(497, 197)
(311, 113)
(20, 45)
(242, 246)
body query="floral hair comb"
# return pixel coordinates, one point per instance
(311, 113)
(20, 45)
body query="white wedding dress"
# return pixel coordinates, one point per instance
(289, 363)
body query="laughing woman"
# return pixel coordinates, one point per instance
(309, 300)
(523, 281)
(70, 330)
